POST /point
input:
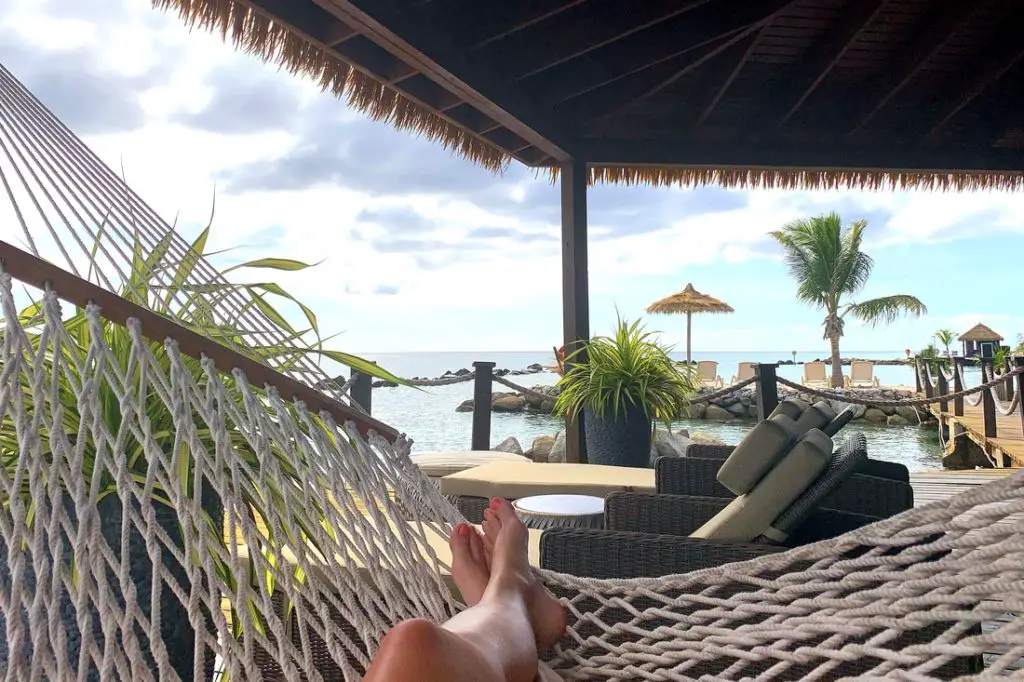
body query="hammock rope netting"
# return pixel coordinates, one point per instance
(163, 520)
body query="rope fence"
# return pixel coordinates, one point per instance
(485, 378)
(528, 392)
(908, 402)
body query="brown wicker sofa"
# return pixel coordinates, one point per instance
(859, 493)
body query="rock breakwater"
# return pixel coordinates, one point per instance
(740, 405)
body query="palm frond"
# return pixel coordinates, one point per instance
(852, 267)
(886, 309)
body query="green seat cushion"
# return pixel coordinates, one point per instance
(817, 416)
(753, 513)
(757, 453)
(791, 407)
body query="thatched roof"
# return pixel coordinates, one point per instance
(492, 81)
(980, 332)
(689, 300)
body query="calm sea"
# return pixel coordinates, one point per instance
(428, 415)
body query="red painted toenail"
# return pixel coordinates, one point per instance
(495, 503)
(463, 530)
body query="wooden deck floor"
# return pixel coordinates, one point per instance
(1009, 440)
(932, 486)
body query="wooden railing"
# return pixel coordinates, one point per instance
(994, 419)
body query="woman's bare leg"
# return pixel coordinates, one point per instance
(493, 640)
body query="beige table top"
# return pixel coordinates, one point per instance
(438, 545)
(513, 480)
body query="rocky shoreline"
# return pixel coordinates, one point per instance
(741, 405)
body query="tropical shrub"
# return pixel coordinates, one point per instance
(610, 374)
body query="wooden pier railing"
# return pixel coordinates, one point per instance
(994, 419)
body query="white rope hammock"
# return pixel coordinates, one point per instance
(326, 541)
(161, 520)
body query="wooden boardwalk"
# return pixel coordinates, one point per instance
(1006, 449)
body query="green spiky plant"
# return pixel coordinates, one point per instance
(828, 265)
(610, 374)
(194, 307)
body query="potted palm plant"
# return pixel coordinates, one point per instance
(622, 384)
(197, 312)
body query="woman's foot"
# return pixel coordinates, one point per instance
(507, 540)
(469, 565)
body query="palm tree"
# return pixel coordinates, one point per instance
(945, 337)
(828, 265)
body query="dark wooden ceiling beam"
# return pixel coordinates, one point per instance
(314, 21)
(424, 90)
(605, 101)
(800, 155)
(823, 56)
(725, 82)
(1000, 59)
(702, 32)
(619, 20)
(515, 17)
(421, 44)
(945, 20)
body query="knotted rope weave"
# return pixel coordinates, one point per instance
(280, 541)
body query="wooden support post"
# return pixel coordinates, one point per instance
(943, 386)
(926, 379)
(482, 387)
(917, 376)
(361, 390)
(575, 296)
(1018, 362)
(988, 403)
(767, 390)
(958, 385)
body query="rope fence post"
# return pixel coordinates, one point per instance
(988, 403)
(1018, 362)
(958, 385)
(482, 392)
(767, 390)
(917, 375)
(926, 379)
(942, 386)
(361, 390)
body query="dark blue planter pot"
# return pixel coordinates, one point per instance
(622, 442)
(175, 628)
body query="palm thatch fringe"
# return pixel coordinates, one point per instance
(787, 178)
(255, 32)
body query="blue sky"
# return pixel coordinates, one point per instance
(424, 251)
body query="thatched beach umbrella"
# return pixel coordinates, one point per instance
(689, 301)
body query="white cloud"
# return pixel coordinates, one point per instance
(454, 289)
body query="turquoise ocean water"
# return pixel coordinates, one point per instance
(428, 416)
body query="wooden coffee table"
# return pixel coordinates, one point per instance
(561, 511)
